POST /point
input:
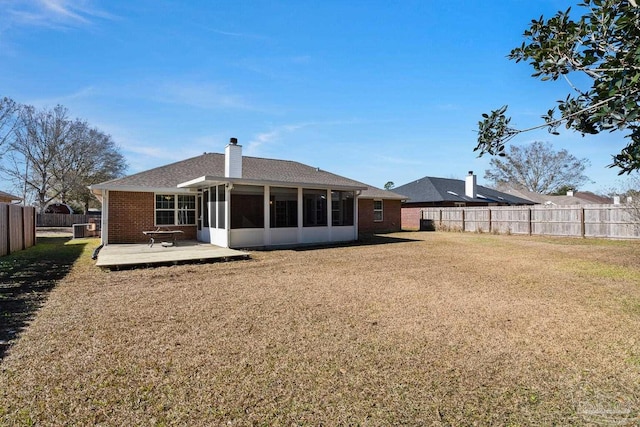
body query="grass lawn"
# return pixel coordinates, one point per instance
(439, 329)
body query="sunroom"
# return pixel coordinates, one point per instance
(238, 213)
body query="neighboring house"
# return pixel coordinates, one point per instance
(232, 200)
(8, 198)
(58, 208)
(571, 198)
(445, 192)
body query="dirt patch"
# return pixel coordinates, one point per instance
(27, 277)
(437, 329)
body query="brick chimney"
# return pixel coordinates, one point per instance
(470, 189)
(233, 159)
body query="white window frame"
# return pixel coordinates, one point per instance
(380, 210)
(176, 210)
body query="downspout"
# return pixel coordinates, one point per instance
(356, 213)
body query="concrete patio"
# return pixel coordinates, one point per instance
(116, 256)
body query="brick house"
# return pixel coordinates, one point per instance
(443, 192)
(232, 200)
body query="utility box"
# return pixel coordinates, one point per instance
(427, 225)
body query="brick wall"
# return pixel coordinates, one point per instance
(131, 213)
(391, 217)
(411, 218)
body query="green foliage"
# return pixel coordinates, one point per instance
(389, 185)
(603, 44)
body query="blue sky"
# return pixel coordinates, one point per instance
(374, 90)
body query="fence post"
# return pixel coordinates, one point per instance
(529, 221)
(463, 219)
(489, 208)
(582, 226)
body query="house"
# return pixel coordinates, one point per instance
(237, 201)
(571, 198)
(8, 198)
(58, 208)
(445, 192)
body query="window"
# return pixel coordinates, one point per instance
(378, 210)
(247, 206)
(172, 209)
(342, 207)
(314, 208)
(283, 207)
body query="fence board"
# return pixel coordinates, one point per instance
(612, 221)
(64, 220)
(17, 228)
(4, 229)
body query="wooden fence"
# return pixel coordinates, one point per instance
(17, 228)
(65, 220)
(609, 221)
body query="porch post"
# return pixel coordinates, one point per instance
(300, 215)
(329, 216)
(267, 215)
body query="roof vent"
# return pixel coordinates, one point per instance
(233, 141)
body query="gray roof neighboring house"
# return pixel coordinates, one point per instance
(210, 167)
(441, 190)
(572, 198)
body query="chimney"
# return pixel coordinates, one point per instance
(233, 159)
(470, 185)
(570, 193)
(616, 200)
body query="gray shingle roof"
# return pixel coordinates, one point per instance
(431, 189)
(578, 198)
(253, 169)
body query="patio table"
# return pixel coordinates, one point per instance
(159, 232)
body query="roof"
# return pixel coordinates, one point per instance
(578, 198)
(211, 167)
(7, 196)
(433, 190)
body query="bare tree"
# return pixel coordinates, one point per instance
(39, 140)
(8, 112)
(55, 158)
(94, 157)
(629, 195)
(537, 167)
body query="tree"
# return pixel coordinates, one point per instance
(537, 167)
(602, 45)
(55, 158)
(95, 158)
(8, 111)
(629, 197)
(389, 185)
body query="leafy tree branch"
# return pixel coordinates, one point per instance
(604, 45)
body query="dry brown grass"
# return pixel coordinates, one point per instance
(448, 329)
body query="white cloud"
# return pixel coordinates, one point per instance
(54, 14)
(275, 134)
(201, 95)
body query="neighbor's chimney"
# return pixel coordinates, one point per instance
(470, 185)
(570, 193)
(616, 200)
(233, 159)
